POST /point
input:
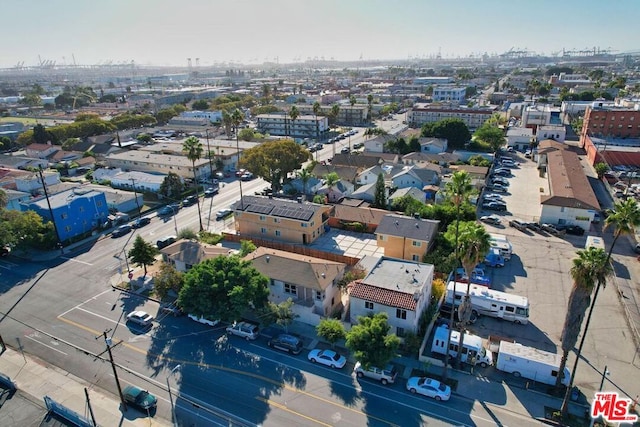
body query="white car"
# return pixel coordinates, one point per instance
(245, 330)
(429, 387)
(140, 317)
(491, 219)
(203, 320)
(328, 358)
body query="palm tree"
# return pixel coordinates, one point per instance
(294, 113)
(192, 148)
(335, 110)
(266, 91)
(305, 176)
(624, 218)
(474, 244)
(316, 111)
(590, 264)
(458, 191)
(227, 122)
(370, 106)
(236, 119)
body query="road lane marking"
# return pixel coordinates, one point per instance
(284, 408)
(48, 346)
(76, 260)
(93, 298)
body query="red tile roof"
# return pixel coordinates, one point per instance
(383, 296)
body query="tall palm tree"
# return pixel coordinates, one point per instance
(590, 264)
(294, 113)
(227, 122)
(474, 242)
(316, 111)
(370, 106)
(236, 118)
(192, 148)
(335, 110)
(624, 218)
(458, 191)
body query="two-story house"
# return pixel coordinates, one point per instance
(311, 283)
(41, 151)
(184, 254)
(400, 288)
(415, 177)
(280, 219)
(406, 237)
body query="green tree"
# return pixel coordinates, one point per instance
(246, 247)
(332, 330)
(40, 134)
(144, 137)
(246, 134)
(335, 110)
(25, 229)
(490, 135)
(281, 314)
(227, 122)
(223, 288)
(305, 175)
(369, 107)
(455, 131)
(172, 186)
(370, 341)
(188, 234)
(142, 253)
(167, 279)
(4, 199)
(192, 148)
(601, 168)
(624, 218)
(31, 100)
(380, 200)
(331, 179)
(274, 160)
(201, 105)
(474, 244)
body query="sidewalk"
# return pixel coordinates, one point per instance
(35, 379)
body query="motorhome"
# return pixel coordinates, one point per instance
(501, 242)
(473, 350)
(594, 242)
(529, 362)
(488, 302)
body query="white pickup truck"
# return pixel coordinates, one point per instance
(203, 320)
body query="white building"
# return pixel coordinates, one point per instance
(305, 126)
(400, 288)
(519, 138)
(141, 161)
(555, 132)
(139, 181)
(449, 93)
(212, 116)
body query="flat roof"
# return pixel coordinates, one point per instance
(399, 275)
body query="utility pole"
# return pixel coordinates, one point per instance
(206, 132)
(46, 194)
(107, 341)
(133, 183)
(93, 418)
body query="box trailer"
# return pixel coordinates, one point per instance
(473, 353)
(531, 363)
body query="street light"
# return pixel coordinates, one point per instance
(604, 374)
(173, 410)
(175, 222)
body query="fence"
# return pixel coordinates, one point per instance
(290, 247)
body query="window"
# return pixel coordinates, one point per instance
(276, 220)
(278, 233)
(262, 217)
(416, 243)
(304, 225)
(368, 305)
(382, 237)
(99, 203)
(401, 314)
(415, 258)
(319, 295)
(400, 332)
(81, 208)
(509, 309)
(64, 216)
(68, 228)
(554, 373)
(263, 230)
(290, 289)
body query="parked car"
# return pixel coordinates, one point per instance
(240, 172)
(358, 145)
(478, 277)
(140, 317)
(327, 357)
(494, 258)
(551, 229)
(5, 251)
(121, 231)
(210, 192)
(385, 376)
(220, 175)
(499, 188)
(491, 219)
(518, 224)
(139, 398)
(492, 197)
(576, 230)
(500, 174)
(429, 387)
(494, 206)
(508, 163)
(203, 320)
(175, 207)
(534, 226)
(171, 308)
(7, 383)
(286, 342)
(165, 211)
(345, 150)
(527, 154)
(505, 171)
(247, 176)
(141, 222)
(246, 330)
(223, 213)
(166, 241)
(500, 180)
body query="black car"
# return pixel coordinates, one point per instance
(534, 226)
(494, 206)
(286, 342)
(518, 225)
(552, 229)
(345, 150)
(576, 230)
(141, 222)
(166, 241)
(210, 192)
(139, 398)
(121, 231)
(191, 200)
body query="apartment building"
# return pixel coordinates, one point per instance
(305, 126)
(449, 93)
(431, 113)
(141, 161)
(406, 237)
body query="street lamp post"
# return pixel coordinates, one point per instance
(135, 193)
(604, 374)
(175, 222)
(173, 409)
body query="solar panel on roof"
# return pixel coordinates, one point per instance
(258, 208)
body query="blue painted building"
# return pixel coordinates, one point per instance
(75, 212)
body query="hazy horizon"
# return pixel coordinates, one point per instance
(165, 32)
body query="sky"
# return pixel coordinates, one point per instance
(167, 32)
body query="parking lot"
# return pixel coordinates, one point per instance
(539, 270)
